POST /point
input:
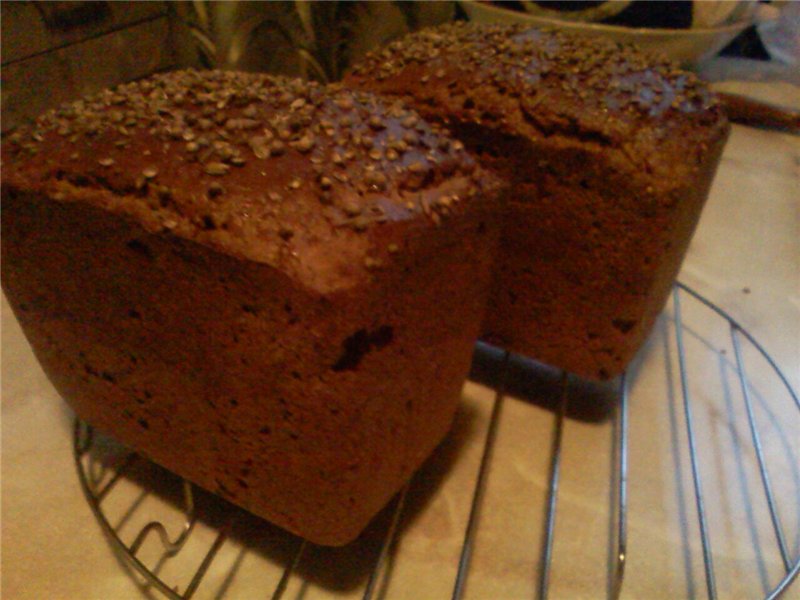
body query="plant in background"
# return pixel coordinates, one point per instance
(316, 40)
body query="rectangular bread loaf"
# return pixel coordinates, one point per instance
(608, 154)
(269, 287)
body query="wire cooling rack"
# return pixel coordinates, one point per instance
(103, 468)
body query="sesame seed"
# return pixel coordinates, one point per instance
(216, 168)
(376, 123)
(304, 144)
(410, 138)
(345, 103)
(351, 207)
(260, 146)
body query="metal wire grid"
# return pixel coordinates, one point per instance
(83, 440)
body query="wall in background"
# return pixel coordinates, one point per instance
(53, 52)
(57, 51)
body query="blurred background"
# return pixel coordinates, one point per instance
(57, 51)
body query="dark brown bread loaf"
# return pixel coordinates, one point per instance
(269, 287)
(608, 154)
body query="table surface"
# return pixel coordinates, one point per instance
(745, 257)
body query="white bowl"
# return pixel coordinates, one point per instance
(690, 47)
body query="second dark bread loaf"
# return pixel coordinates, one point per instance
(608, 155)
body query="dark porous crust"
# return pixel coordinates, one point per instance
(270, 287)
(608, 154)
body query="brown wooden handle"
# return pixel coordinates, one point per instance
(755, 113)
